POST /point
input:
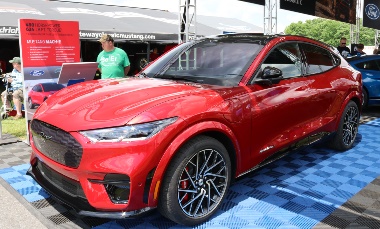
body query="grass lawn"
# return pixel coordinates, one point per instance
(15, 127)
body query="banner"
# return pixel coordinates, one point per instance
(339, 10)
(371, 14)
(44, 46)
(300, 6)
(260, 2)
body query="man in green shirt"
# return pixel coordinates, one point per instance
(113, 61)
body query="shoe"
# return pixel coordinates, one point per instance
(18, 117)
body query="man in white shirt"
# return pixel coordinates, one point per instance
(16, 81)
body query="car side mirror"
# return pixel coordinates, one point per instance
(270, 75)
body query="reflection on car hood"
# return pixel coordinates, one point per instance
(106, 103)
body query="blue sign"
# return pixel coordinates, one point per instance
(372, 11)
(37, 73)
(371, 14)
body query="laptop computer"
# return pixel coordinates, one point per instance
(77, 72)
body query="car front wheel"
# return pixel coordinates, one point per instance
(196, 181)
(345, 136)
(30, 103)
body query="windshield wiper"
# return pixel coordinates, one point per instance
(184, 78)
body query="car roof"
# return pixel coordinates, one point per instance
(362, 58)
(263, 38)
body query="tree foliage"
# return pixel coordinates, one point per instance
(330, 31)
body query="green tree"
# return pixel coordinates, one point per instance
(329, 31)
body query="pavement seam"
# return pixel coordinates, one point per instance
(27, 205)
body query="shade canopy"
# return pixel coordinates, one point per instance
(123, 23)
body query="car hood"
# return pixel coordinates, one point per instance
(107, 103)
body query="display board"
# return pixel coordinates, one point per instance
(45, 45)
(339, 10)
(371, 14)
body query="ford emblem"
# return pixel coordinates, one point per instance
(37, 73)
(372, 11)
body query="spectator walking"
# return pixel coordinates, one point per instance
(113, 62)
(342, 48)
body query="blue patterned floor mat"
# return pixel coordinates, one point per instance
(297, 191)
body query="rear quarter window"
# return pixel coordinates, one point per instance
(318, 59)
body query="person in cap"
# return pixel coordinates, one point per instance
(16, 79)
(113, 62)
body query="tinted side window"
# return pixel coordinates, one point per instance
(368, 65)
(318, 59)
(285, 57)
(38, 88)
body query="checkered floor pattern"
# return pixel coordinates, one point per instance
(311, 188)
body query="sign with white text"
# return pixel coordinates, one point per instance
(44, 46)
(49, 42)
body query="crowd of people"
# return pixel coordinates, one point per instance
(358, 49)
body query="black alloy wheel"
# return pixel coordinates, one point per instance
(196, 182)
(345, 136)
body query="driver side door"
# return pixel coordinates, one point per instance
(278, 110)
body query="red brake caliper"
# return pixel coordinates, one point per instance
(184, 185)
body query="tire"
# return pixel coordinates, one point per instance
(345, 136)
(30, 103)
(365, 98)
(196, 182)
(4, 115)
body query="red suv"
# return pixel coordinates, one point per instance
(204, 113)
(40, 92)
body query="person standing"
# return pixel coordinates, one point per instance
(358, 50)
(154, 54)
(16, 80)
(113, 62)
(342, 48)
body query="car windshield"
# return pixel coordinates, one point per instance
(211, 61)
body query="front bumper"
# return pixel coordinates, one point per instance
(69, 192)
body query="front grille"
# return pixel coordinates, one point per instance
(67, 185)
(56, 144)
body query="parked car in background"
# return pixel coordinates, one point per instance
(175, 136)
(369, 66)
(40, 92)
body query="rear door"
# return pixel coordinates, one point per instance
(285, 113)
(324, 81)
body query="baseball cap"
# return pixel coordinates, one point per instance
(15, 60)
(105, 37)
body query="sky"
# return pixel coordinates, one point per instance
(248, 12)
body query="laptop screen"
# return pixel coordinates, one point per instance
(79, 71)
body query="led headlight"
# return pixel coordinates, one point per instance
(128, 133)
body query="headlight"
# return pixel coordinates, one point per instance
(128, 133)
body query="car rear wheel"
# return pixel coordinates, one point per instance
(345, 136)
(30, 103)
(196, 182)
